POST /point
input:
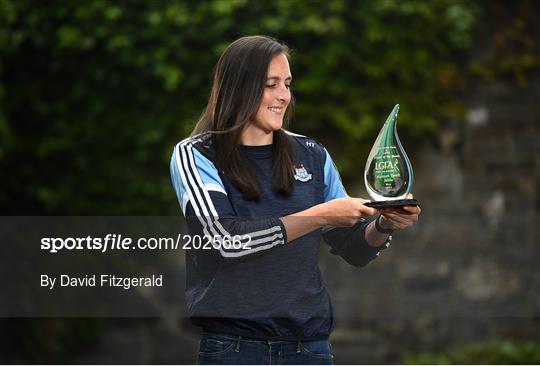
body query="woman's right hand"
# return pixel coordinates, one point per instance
(345, 212)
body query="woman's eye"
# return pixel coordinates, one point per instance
(271, 86)
(288, 86)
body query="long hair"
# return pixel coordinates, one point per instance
(237, 91)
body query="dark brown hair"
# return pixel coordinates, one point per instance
(237, 92)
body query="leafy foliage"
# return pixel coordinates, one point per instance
(94, 94)
(514, 43)
(492, 353)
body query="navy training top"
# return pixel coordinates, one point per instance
(261, 287)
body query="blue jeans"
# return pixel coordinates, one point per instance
(220, 349)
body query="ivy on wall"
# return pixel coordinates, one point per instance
(94, 94)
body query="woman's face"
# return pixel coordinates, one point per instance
(275, 100)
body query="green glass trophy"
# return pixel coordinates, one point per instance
(388, 175)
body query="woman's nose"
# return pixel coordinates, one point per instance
(284, 95)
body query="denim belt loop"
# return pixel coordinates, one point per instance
(298, 347)
(237, 349)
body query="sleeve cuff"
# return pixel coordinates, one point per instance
(283, 231)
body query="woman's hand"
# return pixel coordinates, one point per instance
(345, 212)
(399, 218)
(341, 212)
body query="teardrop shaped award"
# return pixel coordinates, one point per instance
(388, 174)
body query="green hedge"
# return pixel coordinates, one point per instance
(497, 352)
(93, 94)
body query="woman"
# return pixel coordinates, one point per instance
(265, 197)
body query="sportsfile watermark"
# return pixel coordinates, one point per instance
(112, 242)
(102, 266)
(70, 266)
(138, 267)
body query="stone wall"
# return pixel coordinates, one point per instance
(469, 271)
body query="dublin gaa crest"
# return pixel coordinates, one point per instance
(301, 173)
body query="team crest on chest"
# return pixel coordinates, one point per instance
(301, 173)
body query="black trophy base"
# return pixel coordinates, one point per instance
(392, 204)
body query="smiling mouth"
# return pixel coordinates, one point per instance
(275, 109)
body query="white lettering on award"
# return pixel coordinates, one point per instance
(388, 174)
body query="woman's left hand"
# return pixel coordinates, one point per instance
(399, 218)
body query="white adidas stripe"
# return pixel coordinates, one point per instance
(199, 203)
(210, 203)
(293, 134)
(188, 190)
(212, 207)
(186, 146)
